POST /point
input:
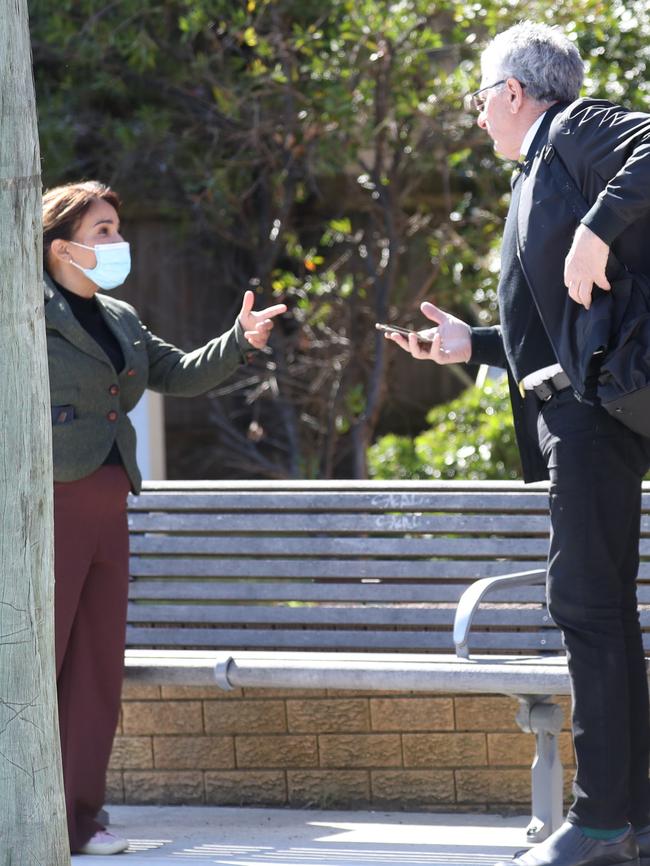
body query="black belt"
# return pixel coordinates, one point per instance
(546, 389)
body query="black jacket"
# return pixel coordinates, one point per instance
(606, 149)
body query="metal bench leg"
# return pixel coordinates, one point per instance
(537, 715)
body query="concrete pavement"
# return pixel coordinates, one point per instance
(193, 835)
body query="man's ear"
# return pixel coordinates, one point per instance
(515, 94)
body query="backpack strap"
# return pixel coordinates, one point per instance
(564, 180)
(568, 186)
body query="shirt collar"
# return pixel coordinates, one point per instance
(530, 135)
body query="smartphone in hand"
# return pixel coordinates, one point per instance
(422, 338)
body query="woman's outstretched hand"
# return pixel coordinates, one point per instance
(258, 325)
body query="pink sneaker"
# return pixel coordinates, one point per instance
(104, 842)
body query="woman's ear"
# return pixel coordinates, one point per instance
(59, 249)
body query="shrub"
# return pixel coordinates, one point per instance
(472, 437)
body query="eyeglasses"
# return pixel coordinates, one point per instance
(476, 100)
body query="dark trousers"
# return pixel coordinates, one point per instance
(596, 466)
(92, 572)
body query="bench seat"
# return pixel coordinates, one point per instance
(384, 671)
(414, 586)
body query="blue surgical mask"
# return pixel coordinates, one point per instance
(113, 264)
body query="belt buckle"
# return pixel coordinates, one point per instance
(545, 390)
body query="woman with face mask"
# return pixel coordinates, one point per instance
(101, 358)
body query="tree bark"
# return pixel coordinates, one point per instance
(32, 812)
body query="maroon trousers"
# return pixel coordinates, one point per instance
(91, 546)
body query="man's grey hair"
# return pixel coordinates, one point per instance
(540, 57)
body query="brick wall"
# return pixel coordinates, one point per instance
(327, 749)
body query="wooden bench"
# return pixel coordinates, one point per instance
(355, 585)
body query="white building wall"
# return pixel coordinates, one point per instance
(148, 418)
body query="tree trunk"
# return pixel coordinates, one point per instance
(32, 811)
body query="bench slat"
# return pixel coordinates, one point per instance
(348, 501)
(450, 569)
(174, 545)
(435, 591)
(359, 568)
(296, 524)
(376, 615)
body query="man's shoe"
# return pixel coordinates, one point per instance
(569, 846)
(104, 842)
(643, 841)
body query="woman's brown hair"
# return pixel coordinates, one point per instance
(65, 206)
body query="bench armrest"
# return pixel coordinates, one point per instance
(471, 599)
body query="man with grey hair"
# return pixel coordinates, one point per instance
(528, 104)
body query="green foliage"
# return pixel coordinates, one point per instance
(318, 150)
(472, 437)
(233, 114)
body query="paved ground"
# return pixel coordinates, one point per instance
(193, 835)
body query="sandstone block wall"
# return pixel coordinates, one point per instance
(256, 747)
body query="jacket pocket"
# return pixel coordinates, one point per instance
(62, 414)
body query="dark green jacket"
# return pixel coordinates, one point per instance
(90, 400)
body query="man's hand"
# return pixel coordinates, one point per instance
(257, 326)
(452, 339)
(585, 265)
